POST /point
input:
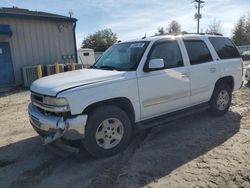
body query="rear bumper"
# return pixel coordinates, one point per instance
(54, 127)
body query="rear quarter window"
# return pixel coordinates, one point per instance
(224, 47)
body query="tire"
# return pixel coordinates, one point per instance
(107, 132)
(221, 99)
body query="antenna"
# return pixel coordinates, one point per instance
(145, 36)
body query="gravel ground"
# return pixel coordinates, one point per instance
(196, 151)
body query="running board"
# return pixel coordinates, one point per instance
(166, 118)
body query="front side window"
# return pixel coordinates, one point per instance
(122, 56)
(224, 47)
(198, 52)
(169, 51)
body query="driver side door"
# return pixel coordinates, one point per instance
(166, 90)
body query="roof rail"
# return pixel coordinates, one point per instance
(219, 34)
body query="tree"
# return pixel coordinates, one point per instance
(100, 41)
(239, 33)
(215, 27)
(248, 28)
(174, 28)
(161, 31)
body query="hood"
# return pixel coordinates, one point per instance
(51, 85)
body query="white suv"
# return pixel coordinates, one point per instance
(133, 83)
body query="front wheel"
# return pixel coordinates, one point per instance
(108, 131)
(221, 99)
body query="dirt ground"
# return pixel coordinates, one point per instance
(196, 151)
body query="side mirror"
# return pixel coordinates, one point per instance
(155, 64)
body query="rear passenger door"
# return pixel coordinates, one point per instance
(203, 70)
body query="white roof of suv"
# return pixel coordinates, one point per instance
(155, 38)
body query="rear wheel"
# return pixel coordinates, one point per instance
(108, 131)
(221, 99)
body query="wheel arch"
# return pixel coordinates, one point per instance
(226, 79)
(122, 102)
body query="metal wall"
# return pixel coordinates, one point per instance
(37, 42)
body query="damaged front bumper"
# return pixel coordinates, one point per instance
(52, 127)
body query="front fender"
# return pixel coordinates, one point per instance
(81, 97)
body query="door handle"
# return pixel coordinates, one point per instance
(184, 75)
(213, 69)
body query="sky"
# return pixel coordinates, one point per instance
(133, 18)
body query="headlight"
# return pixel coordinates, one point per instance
(55, 101)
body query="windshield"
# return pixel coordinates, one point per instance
(122, 57)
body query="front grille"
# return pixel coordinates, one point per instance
(37, 101)
(37, 98)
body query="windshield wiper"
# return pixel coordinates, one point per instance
(108, 67)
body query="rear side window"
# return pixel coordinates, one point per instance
(197, 51)
(224, 47)
(170, 52)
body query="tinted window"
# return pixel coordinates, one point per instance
(224, 47)
(197, 51)
(168, 51)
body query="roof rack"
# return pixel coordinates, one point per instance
(219, 34)
(186, 33)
